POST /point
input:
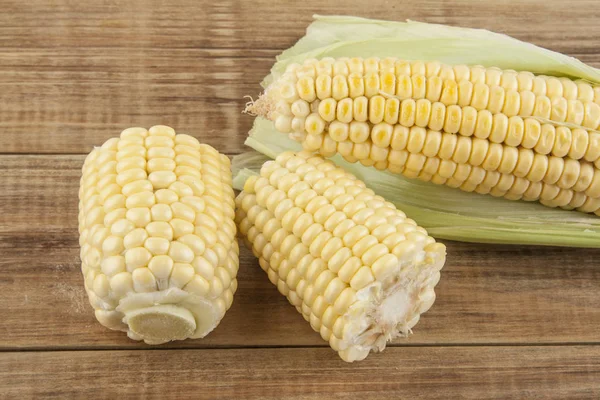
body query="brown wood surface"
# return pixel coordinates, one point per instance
(483, 372)
(509, 321)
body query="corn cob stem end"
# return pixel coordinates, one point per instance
(161, 323)
(385, 311)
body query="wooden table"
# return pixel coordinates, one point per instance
(510, 321)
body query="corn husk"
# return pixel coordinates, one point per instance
(445, 212)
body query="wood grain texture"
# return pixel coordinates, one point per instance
(412, 373)
(73, 74)
(488, 294)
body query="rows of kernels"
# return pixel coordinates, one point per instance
(394, 146)
(156, 211)
(324, 237)
(477, 179)
(402, 108)
(388, 68)
(528, 132)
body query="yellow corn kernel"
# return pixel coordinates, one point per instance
(469, 120)
(408, 110)
(542, 107)
(579, 144)
(532, 133)
(512, 103)
(450, 92)
(404, 87)
(416, 139)
(555, 169)
(478, 152)
(562, 142)
(434, 88)
(463, 150)
(481, 96)
(438, 116)
(585, 93)
(392, 111)
(306, 88)
(575, 112)
(361, 109)
(497, 96)
(453, 119)
(372, 84)
(539, 85)
(484, 123)
(477, 74)
(339, 131)
(376, 109)
(328, 109)
(344, 110)
(418, 86)
(516, 130)
(465, 93)
(399, 137)
(525, 81)
(314, 124)
(388, 83)
(448, 146)
(339, 87)
(499, 128)
(432, 143)
(359, 132)
(509, 160)
(381, 134)
(509, 80)
(323, 86)
(528, 102)
(422, 113)
(591, 117)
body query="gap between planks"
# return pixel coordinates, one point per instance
(274, 347)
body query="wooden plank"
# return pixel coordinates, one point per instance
(72, 75)
(68, 100)
(547, 372)
(264, 24)
(488, 294)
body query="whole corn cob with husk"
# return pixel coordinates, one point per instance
(352, 264)
(157, 235)
(506, 133)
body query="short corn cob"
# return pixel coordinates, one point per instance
(157, 235)
(356, 268)
(506, 133)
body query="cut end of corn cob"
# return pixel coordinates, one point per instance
(357, 268)
(157, 235)
(507, 133)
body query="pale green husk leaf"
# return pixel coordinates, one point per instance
(344, 36)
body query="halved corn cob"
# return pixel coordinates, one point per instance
(467, 127)
(157, 235)
(357, 268)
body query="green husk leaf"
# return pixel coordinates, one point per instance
(345, 36)
(445, 212)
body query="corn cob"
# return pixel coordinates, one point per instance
(157, 235)
(352, 264)
(507, 133)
